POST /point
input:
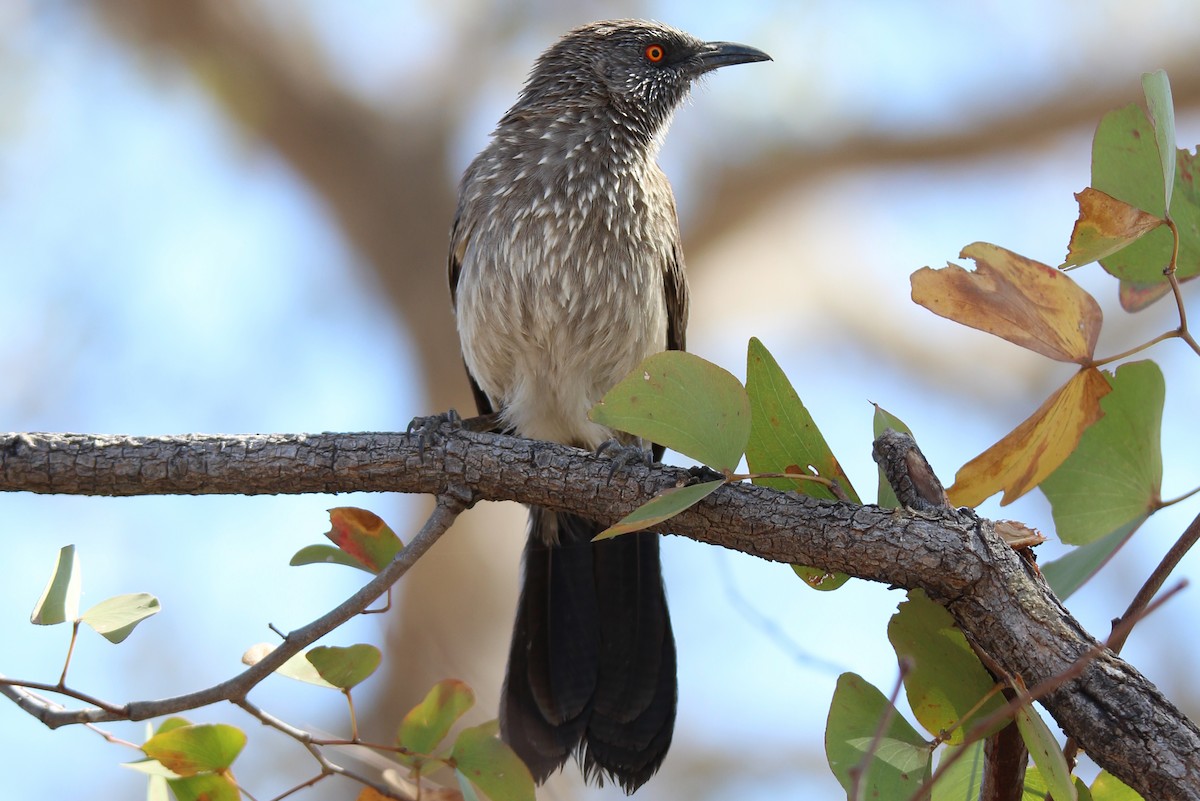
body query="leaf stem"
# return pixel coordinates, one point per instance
(62, 679)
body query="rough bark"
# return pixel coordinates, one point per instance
(996, 596)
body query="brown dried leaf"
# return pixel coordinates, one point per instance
(1024, 301)
(1105, 225)
(1035, 448)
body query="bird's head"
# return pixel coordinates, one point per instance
(637, 71)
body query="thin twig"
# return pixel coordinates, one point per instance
(447, 509)
(1135, 612)
(327, 767)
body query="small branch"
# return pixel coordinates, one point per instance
(235, 689)
(328, 768)
(1122, 626)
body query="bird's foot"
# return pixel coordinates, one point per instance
(623, 455)
(702, 473)
(427, 429)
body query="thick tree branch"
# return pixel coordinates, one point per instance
(998, 598)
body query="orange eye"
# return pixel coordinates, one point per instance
(655, 53)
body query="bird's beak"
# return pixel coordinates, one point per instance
(722, 54)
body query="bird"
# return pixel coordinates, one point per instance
(566, 271)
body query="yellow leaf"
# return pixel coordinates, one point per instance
(1024, 301)
(1035, 448)
(1105, 225)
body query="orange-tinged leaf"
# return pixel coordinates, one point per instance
(1035, 448)
(201, 748)
(1105, 225)
(1024, 301)
(364, 536)
(429, 722)
(1134, 296)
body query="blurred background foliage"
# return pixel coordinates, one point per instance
(231, 216)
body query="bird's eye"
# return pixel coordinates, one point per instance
(655, 53)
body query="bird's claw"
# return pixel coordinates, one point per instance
(426, 429)
(622, 455)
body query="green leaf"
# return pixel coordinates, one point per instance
(1047, 754)
(429, 722)
(364, 536)
(201, 748)
(484, 762)
(115, 618)
(1070, 572)
(1108, 787)
(963, 780)
(663, 506)
(682, 402)
(785, 439)
(1035, 787)
(882, 421)
(344, 667)
(172, 723)
(947, 679)
(60, 599)
(783, 436)
(326, 554)
(296, 667)
(205, 787)
(901, 759)
(1126, 164)
(1113, 478)
(1162, 116)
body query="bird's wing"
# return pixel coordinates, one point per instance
(460, 237)
(676, 294)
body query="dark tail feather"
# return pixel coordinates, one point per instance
(591, 670)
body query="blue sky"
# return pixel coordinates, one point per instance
(163, 275)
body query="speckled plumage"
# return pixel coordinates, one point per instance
(566, 271)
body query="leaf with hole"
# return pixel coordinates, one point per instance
(1018, 299)
(364, 536)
